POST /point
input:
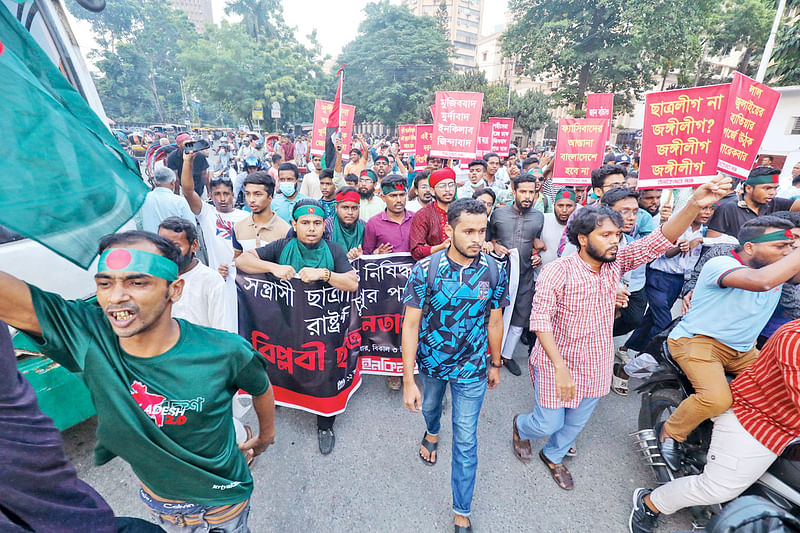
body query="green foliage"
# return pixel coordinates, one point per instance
(785, 68)
(263, 19)
(138, 59)
(531, 111)
(393, 64)
(744, 23)
(495, 95)
(604, 46)
(230, 68)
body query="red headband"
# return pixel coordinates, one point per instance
(349, 196)
(440, 175)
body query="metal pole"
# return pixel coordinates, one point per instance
(762, 68)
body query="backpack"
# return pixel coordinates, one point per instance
(433, 269)
(753, 514)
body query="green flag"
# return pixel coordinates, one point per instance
(66, 180)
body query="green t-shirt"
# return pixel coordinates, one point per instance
(169, 416)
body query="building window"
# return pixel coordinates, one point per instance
(485, 55)
(467, 23)
(465, 36)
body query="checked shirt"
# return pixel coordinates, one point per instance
(577, 305)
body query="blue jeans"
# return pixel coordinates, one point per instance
(562, 425)
(662, 291)
(467, 402)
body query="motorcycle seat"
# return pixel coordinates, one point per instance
(677, 368)
(787, 466)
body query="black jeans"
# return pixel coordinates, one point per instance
(325, 422)
(633, 315)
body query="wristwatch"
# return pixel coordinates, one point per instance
(498, 365)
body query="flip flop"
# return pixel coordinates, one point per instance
(431, 447)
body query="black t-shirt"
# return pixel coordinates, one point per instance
(272, 254)
(175, 162)
(39, 485)
(731, 214)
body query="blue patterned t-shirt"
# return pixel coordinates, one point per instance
(453, 335)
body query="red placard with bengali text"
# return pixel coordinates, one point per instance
(681, 137)
(749, 111)
(501, 135)
(407, 135)
(579, 150)
(456, 124)
(422, 145)
(322, 110)
(600, 105)
(484, 139)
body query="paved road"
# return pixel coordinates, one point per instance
(374, 480)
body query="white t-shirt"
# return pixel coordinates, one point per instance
(551, 236)
(217, 231)
(203, 298)
(310, 186)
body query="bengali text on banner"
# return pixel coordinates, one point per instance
(579, 150)
(600, 105)
(749, 111)
(681, 137)
(422, 145)
(484, 139)
(407, 134)
(456, 124)
(501, 135)
(322, 110)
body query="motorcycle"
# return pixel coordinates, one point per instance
(661, 393)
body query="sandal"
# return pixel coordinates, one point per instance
(522, 448)
(431, 447)
(560, 474)
(572, 452)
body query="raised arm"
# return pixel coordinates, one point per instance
(187, 184)
(705, 195)
(16, 305)
(766, 278)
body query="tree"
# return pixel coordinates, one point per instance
(232, 69)
(138, 59)
(744, 23)
(495, 95)
(531, 111)
(785, 68)
(393, 64)
(262, 18)
(609, 46)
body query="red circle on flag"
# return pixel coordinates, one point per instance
(118, 259)
(775, 178)
(1, 48)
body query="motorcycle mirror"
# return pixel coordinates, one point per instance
(95, 6)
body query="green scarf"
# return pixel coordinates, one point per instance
(298, 255)
(348, 238)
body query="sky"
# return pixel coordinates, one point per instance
(337, 21)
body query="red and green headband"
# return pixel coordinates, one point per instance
(389, 188)
(762, 180)
(566, 194)
(308, 209)
(349, 196)
(773, 236)
(133, 260)
(371, 174)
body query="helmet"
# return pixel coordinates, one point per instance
(252, 161)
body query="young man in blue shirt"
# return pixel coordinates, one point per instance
(448, 317)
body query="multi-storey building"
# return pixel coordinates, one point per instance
(463, 21)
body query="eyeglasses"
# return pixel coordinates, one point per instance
(613, 185)
(445, 186)
(626, 212)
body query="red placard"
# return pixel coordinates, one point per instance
(407, 135)
(579, 150)
(455, 126)
(484, 139)
(433, 111)
(600, 105)
(501, 135)
(749, 111)
(422, 145)
(681, 138)
(322, 110)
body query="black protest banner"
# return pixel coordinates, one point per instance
(379, 304)
(309, 337)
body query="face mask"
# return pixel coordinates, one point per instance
(287, 189)
(478, 185)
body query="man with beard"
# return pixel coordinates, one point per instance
(572, 316)
(370, 205)
(759, 198)
(519, 226)
(747, 285)
(216, 223)
(312, 258)
(453, 318)
(346, 228)
(203, 299)
(650, 201)
(427, 228)
(263, 226)
(162, 387)
(555, 223)
(388, 231)
(422, 190)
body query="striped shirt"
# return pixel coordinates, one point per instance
(766, 395)
(577, 305)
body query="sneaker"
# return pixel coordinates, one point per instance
(512, 367)
(642, 519)
(619, 380)
(326, 440)
(669, 448)
(623, 354)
